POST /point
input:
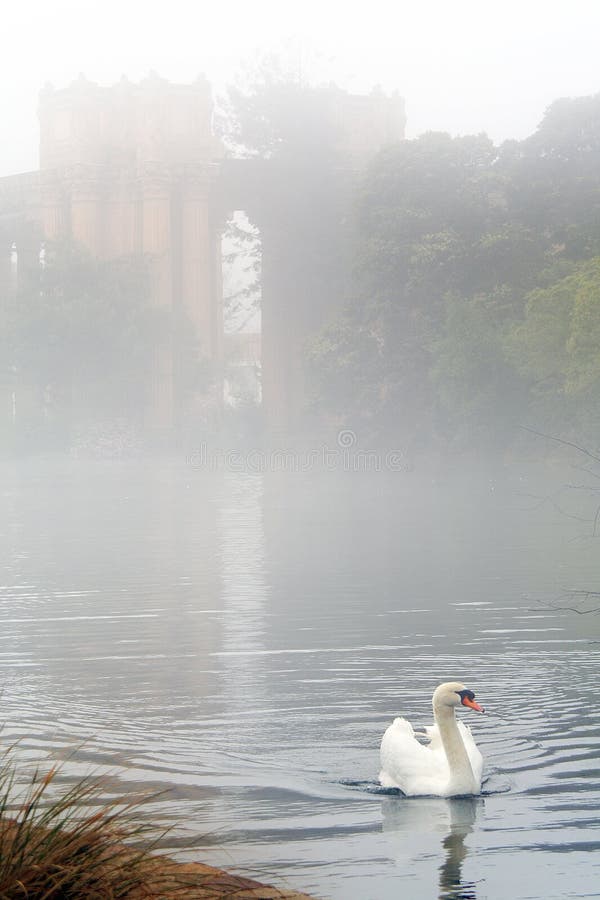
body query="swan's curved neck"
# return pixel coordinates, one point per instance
(461, 772)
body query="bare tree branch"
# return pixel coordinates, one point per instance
(558, 607)
(595, 528)
(583, 596)
(552, 437)
(582, 468)
(541, 501)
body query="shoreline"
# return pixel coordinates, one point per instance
(95, 857)
(197, 881)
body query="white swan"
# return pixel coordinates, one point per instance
(450, 766)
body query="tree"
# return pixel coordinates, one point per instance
(299, 197)
(553, 177)
(480, 394)
(428, 212)
(557, 347)
(473, 306)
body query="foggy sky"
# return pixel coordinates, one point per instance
(463, 67)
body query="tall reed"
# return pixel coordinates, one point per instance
(69, 843)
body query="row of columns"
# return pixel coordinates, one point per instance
(170, 217)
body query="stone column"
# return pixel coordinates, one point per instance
(201, 296)
(54, 217)
(122, 232)
(197, 256)
(87, 210)
(218, 222)
(156, 244)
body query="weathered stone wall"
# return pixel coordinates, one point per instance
(131, 169)
(136, 168)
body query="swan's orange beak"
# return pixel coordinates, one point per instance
(472, 705)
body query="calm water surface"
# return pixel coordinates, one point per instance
(241, 642)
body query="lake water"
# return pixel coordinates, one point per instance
(241, 642)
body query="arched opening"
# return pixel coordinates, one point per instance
(242, 352)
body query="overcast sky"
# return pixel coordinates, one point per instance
(463, 67)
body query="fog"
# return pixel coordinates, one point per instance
(462, 68)
(299, 341)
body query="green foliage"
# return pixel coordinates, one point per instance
(82, 340)
(471, 282)
(273, 115)
(570, 132)
(557, 346)
(418, 187)
(474, 381)
(426, 214)
(85, 328)
(553, 177)
(343, 365)
(583, 345)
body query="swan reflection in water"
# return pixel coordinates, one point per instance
(454, 817)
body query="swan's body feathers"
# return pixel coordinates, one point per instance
(421, 769)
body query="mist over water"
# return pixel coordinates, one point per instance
(241, 642)
(299, 418)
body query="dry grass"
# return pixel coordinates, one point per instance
(53, 848)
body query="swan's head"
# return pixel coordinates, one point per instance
(453, 693)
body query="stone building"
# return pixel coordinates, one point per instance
(137, 169)
(131, 169)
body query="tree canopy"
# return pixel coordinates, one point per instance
(475, 302)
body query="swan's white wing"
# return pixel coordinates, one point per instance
(410, 766)
(435, 738)
(475, 757)
(417, 769)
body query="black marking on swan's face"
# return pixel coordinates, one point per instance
(465, 695)
(467, 698)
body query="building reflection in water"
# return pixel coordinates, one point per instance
(406, 817)
(240, 535)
